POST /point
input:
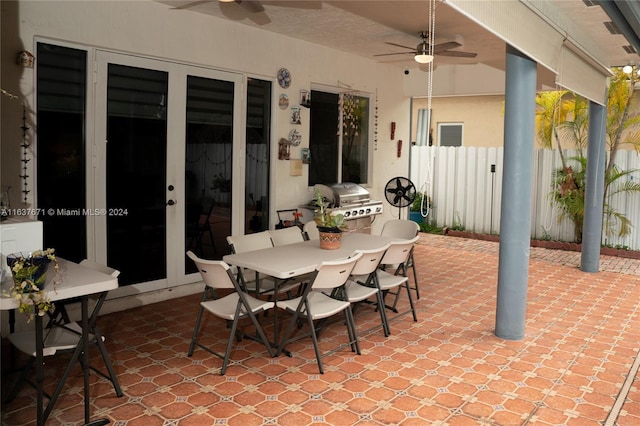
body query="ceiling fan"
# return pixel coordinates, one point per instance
(252, 9)
(422, 52)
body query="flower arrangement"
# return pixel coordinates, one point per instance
(325, 219)
(28, 281)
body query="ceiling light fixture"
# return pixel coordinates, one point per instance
(627, 69)
(422, 55)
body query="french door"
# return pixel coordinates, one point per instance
(165, 135)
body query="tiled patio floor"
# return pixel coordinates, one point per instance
(582, 340)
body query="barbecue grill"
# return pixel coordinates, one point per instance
(351, 200)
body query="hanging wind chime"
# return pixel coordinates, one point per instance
(25, 155)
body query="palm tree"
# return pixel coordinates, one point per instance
(563, 117)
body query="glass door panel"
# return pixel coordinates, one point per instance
(256, 205)
(136, 172)
(61, 112)
(208, 168)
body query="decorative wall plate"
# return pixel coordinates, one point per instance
(284, 78)
(283, 101)
(295, 137)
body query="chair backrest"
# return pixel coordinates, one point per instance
(398, 251)
(332, 274)
(100, 268)
(280, 237)
(369, 260)
(311, 230)
(400, 228)
(249, 242)
(215, 273)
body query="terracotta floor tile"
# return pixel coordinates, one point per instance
(448, 368)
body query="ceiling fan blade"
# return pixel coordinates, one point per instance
(400, 53)
(445, 46)
(240, 9)
(190, 4)
(399, 45)
(296, 4)
(251, 5)
(259, 18)
(457, 54)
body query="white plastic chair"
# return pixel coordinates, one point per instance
(362, 285)
(283, 236)
(233, 307)
(251, 280)
(397, 254)
(260, 284)
(310, 230)
(406, 229)
(314, 304)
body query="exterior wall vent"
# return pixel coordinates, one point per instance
(613, 29)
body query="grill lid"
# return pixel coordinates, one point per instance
(343, 194)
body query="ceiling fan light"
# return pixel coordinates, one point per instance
(226, 1)
(627, 69)
(423, 58)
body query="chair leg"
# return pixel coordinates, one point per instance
(207, 294)
(227, 352)
(351, 330)
(383, 314)
(261, 334)
(401, 271)
(413, 309)
(314, 337)
(21, 379)
(411, 264)
(195, 332)
(107, 362)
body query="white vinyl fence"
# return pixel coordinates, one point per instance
(466, 192)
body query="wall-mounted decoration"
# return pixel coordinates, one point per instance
(305, 98)
(284, 78)
(295, 115)
(295, 167)
(25, 59)
(306, 155)
(295, 137)
(284, 149)
(283, 101)
(25, 154)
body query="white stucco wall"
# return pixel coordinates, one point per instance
(152, 29)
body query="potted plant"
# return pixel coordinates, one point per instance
(419, 205)
(29, 275)
(330, 226)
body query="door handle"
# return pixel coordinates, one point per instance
(170, 203)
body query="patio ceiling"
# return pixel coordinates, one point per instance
(611, 32)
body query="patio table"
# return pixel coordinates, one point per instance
(292, 260)
(74, 281)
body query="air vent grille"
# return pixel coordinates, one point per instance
(613, 29)
(590, 3)
(629, 49)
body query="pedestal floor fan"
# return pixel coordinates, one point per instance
(400, 192)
